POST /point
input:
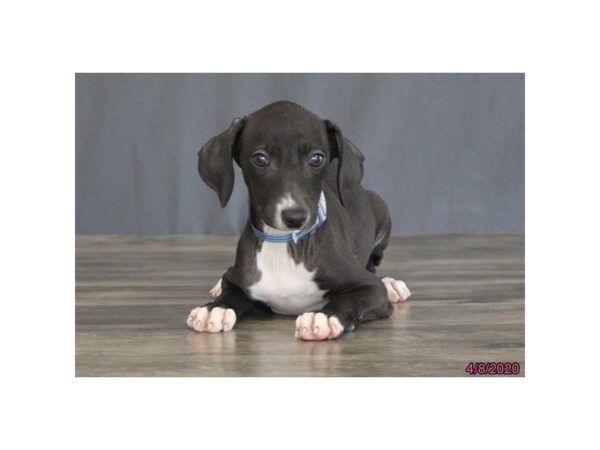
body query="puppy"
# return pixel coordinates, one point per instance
(314, 236)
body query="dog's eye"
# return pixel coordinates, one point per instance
(316, 159)
(260, 159)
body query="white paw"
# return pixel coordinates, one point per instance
(396, 289)
(216, 289)
(317, 327)
(213, 321)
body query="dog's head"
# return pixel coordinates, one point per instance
(284, 152)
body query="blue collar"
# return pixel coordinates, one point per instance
(295, 236)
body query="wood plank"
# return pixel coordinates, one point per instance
(133, 294)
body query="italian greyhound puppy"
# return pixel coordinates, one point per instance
(314, 235)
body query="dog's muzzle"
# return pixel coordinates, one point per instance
(295, 216)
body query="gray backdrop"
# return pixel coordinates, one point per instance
(446, 151)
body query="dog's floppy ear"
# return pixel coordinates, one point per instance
(350, 159)
(215, 161)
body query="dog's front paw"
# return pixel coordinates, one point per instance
(318, 327)
(396, 289)
(213, 321)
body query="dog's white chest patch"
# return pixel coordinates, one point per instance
(284, 285)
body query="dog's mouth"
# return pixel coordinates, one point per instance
(281, 228)
(278, 230)
(287, 215)
(283, 222)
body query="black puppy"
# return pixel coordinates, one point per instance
(314, 236)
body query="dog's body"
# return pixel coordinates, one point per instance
(290, 160)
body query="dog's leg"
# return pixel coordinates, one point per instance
(221, 314)
(396, 289)
(384, 230)
(382, 240)
(344, 311)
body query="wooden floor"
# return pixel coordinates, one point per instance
(133, 295)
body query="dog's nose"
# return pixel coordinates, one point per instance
(293, 217)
